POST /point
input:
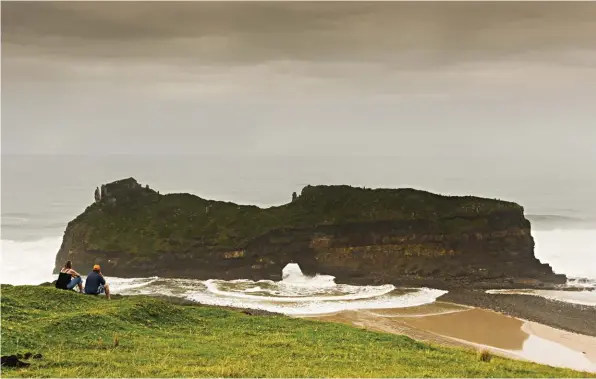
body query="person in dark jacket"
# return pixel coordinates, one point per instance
(95, 283)
(69, 278)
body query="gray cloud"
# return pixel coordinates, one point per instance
(511, 80)
(255, 32)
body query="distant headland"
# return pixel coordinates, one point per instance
(359, 235)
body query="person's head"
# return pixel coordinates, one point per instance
(68, 264)
(96, 268)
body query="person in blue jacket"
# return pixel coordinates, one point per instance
(95, 283)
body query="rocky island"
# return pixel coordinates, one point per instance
(358, 235)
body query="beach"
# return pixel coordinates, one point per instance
(567, 316)
(451, 324)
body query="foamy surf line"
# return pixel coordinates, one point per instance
(364, 293)
(295, 294)
(420, 297)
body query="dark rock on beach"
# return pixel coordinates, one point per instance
(12, 361)
(574, 318)
(358, 235)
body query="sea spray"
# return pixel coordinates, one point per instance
(292, 275)
(295, 294)
(569, 252)
(296, 287)
(28, 262)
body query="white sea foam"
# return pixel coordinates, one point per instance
(295, 294)
(121, 285)
(28, 262)
(582, 282)
(569, 252)
(292, 275)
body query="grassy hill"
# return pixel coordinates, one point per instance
(76, 335)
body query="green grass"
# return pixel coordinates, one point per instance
(75, 334)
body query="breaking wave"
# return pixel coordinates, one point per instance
(295, 294)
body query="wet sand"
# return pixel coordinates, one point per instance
(463, 326)
(575, 318)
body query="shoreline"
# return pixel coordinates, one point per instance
(570, 317)
(451, 324)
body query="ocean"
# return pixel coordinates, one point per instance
(41, 194)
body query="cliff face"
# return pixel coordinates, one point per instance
(401, 236)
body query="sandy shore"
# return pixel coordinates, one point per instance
(575, 318)
(464, 326)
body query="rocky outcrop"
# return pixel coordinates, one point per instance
(399, 236)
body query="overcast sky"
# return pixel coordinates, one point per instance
(478, 80)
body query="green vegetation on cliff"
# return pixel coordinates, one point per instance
(136, 219)
(76, 334)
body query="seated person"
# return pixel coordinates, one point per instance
(95, 283)
(69, 278)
